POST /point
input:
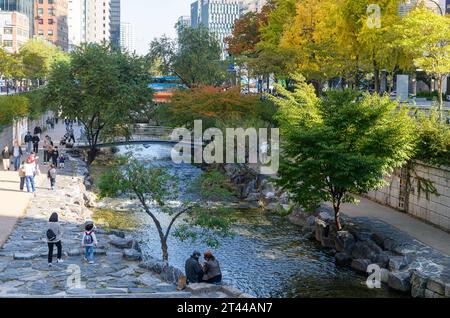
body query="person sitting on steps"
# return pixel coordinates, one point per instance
(211, 269)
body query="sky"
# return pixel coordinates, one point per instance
(153, 18)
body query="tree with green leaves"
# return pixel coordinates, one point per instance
(103, 88)
(195, 57)
(37, 57)
(348, 148)
(12, 107)
(426, 35)
(155, 188)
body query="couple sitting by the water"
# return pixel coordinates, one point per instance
(209, 272)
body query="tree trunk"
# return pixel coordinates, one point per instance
(92, 154)
(337, 217)
(376, 74)
(440, 99)
(165, 252)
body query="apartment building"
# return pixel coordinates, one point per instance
(51, 22)
(14, 30)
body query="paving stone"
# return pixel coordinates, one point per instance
(25, 256)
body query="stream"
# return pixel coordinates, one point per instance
(267, 257)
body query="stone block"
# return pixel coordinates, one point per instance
(342, 259)
(25, 256)
(397, 263)
(360, 264)
(121, 242)
(384, 274)
(201, 288)
(400, 281)
(431, 294)
(418, 284)
(447, 290)
(344, 241)
(231, 291)
(132, 255)
(436, 285)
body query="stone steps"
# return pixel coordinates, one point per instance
(114, 295)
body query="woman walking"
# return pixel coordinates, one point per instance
(6, 158)
(30, 172)
(54, 235)
(17, 155)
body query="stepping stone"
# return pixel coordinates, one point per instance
(25, 256)
(78, 291)
(132, 255)
(148, 279)
(74, 252)
(122, 243)
(109, 291)
(19, 264)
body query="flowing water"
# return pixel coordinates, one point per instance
(267, 257)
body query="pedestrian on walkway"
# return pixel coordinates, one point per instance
(30, 172)
(29, 142)
(193, 268)
(51, 175)
(22, 175)
(61, 159)
(36, 140)
(37, 131)
(54, 235)
(88, 242)
(55, 156)
(71, 135)
(6, 158)
(17, 155)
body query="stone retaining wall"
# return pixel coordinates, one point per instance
(432, 208)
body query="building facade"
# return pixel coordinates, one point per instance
(76, 23)
(115, 22)
(51, 22)
(23, 6)
(14, 30)
(184, 21)
(218, 16)
(98, 21)
(127, 39)
(438, 6)
(251, 5)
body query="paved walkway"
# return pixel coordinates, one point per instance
(421, 231)
(13, 201)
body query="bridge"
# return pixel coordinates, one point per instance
(142, 133)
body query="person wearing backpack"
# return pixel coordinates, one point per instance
(88, 242)
(54, 238)
(51, 175)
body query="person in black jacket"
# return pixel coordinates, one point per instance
(36, 140)
(193, 268)
(29, 142)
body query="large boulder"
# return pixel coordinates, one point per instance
(342, 259)
(360, 264)
(320, 229)
(418, 284)
(436, 285)
(131, 254)
(121, 242)
(366, 250)
(344, 241)
(400, 281)
(397, 263)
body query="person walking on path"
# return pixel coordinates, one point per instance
(48, 148)
(37, 131)
(61, 159)
(30, 172)
(55, 156)
(36, 140)
(6, 158)
(51, 175)
(193, 268)
(71, 135)
(29, 142)
(54, 235)
(22, 175)
(88, 242)
(211, 268)
(17, 155)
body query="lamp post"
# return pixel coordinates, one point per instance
(438, 5)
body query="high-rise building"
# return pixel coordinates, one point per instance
(184, 21)
(115, 22)
(218, 16)
(14, 30)
(76, 23)
(251, 5)
(51, 22)
(127, 40)
(22, 6)
(98, 21)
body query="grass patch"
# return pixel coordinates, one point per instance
(115, 220)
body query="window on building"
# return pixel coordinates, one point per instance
(40, 32)
(7, 30)
(50, 1)
(41, 21)
(7, 43)
(50, 21)
(40, 11)
(41, 1)
(51, 11)
(50, 32)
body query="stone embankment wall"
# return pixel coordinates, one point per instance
(411, 196)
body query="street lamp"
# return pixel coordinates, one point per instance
(438, 5)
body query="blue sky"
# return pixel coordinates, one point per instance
(153, 18)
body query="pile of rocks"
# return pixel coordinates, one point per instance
(405, 264)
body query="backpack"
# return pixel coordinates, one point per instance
(51, 236)
(88, 239)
